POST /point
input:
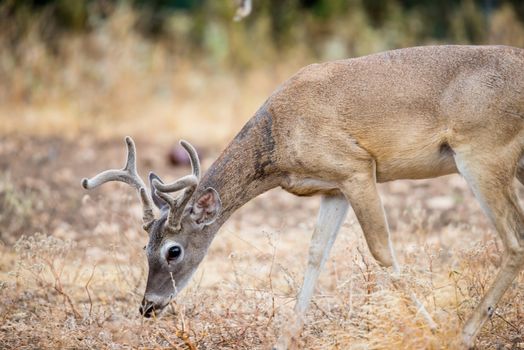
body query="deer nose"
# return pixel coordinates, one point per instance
(146, 308)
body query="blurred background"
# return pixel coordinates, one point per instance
(78, 75)
(184, 68)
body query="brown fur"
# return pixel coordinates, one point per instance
(337, 129)
(398, 108)
(342, 126)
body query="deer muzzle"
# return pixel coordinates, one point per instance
(152, 305)
(147, 308)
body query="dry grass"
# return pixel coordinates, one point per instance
(113, 81)
(79, 285)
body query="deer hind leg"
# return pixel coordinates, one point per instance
(363, 195)
(491, 180)
(332, 212)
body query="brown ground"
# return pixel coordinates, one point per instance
(76, 279)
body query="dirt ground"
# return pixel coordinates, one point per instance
(72, 268)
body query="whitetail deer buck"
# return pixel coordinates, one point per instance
(338, 128)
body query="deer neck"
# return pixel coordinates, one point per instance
(245, 169)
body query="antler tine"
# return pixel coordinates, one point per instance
(189, 183)
(193, 157)
(148, 216)
(184, 182)
(129, 175)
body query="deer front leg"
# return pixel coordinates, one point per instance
(362, 193)
(332, 212)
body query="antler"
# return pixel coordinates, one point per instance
(189, 183)
(128, 175)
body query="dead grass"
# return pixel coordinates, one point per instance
(76, 279)
(79, 284)
(113, 81)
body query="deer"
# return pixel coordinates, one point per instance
(336, 130)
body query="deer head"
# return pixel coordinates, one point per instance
(177, 243)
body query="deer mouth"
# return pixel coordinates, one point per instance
(149, 309)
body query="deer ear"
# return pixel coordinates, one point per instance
(159, 202)
(206, 207)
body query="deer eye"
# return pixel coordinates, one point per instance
(174, 252)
